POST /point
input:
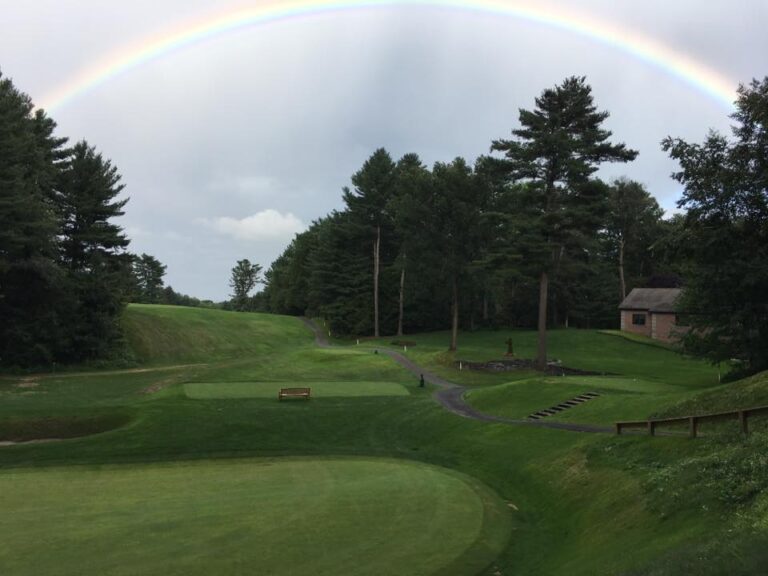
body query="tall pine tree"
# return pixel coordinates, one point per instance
(559, 145)
(32, 295)
(93, 251)
(368, 204)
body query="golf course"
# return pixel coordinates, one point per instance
(184, 461)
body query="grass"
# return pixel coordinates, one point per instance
(575, 504)
(593, 350)
(232, 390)
(300, 516)
(173, 335)
(619, 398)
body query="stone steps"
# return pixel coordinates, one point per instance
(557, 408)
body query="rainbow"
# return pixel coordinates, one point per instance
(644, 48)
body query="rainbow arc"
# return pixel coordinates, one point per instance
(642, 47)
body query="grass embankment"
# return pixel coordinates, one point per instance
(175, 335)
(577, 504)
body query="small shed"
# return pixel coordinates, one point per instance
(651, 312)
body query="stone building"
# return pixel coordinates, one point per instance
(652, 312)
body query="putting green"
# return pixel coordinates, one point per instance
(224, 390)
(355, 516)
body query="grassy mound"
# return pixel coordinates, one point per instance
(619, 398)
(173, 334)
(289, 516)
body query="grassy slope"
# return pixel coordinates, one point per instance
(582, 505)
(175, 335)
(584, 349)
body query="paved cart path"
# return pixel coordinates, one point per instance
(451, 395)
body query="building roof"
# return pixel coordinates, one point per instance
(651, 299)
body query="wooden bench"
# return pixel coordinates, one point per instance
(293, 393)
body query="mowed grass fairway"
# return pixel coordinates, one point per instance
(353, 516)
(187, 463)
(223, 390)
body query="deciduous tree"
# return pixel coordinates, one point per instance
(244, 278)
(725, 233)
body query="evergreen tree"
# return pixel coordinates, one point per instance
(443, 219)
(368, 204)
(32, 295)
(339, 275)
(411, 177)
(287, 280)
(559, 145)
(148, 274)
(93, 252)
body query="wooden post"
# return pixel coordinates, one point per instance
(694, 425)
(618, 428)
(743, 421)
(651, 427)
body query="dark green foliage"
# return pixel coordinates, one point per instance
(634, 226)
(31, 284)
(419, 249)
(725, 234)
(371, 219)
(340, 272)
(244, 278)
(740, 552)
(63, 272)
(558, 147)
(148, 274)
(93, 253)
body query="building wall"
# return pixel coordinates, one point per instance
(626, 322)
(666, 328)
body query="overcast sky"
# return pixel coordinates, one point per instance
(232, 145)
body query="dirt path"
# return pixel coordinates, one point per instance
(451, 395)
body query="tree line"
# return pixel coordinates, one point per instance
(64, 267)
(528, 236)
(525, 237)
(65, 270)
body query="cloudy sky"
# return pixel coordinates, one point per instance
(231, 144)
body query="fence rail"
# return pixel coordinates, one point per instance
(694, 421)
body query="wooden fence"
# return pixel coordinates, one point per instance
(694, 421)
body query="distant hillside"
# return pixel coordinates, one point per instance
(173, 334)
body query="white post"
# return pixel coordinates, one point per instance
(358, 341)
(460, 366)
(405, 348)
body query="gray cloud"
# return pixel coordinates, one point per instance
(259, 129)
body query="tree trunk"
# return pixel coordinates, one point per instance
(455, 322)
(541, 360)
(376, 246)
(621, 269)
(402, 299)
(485, 308)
